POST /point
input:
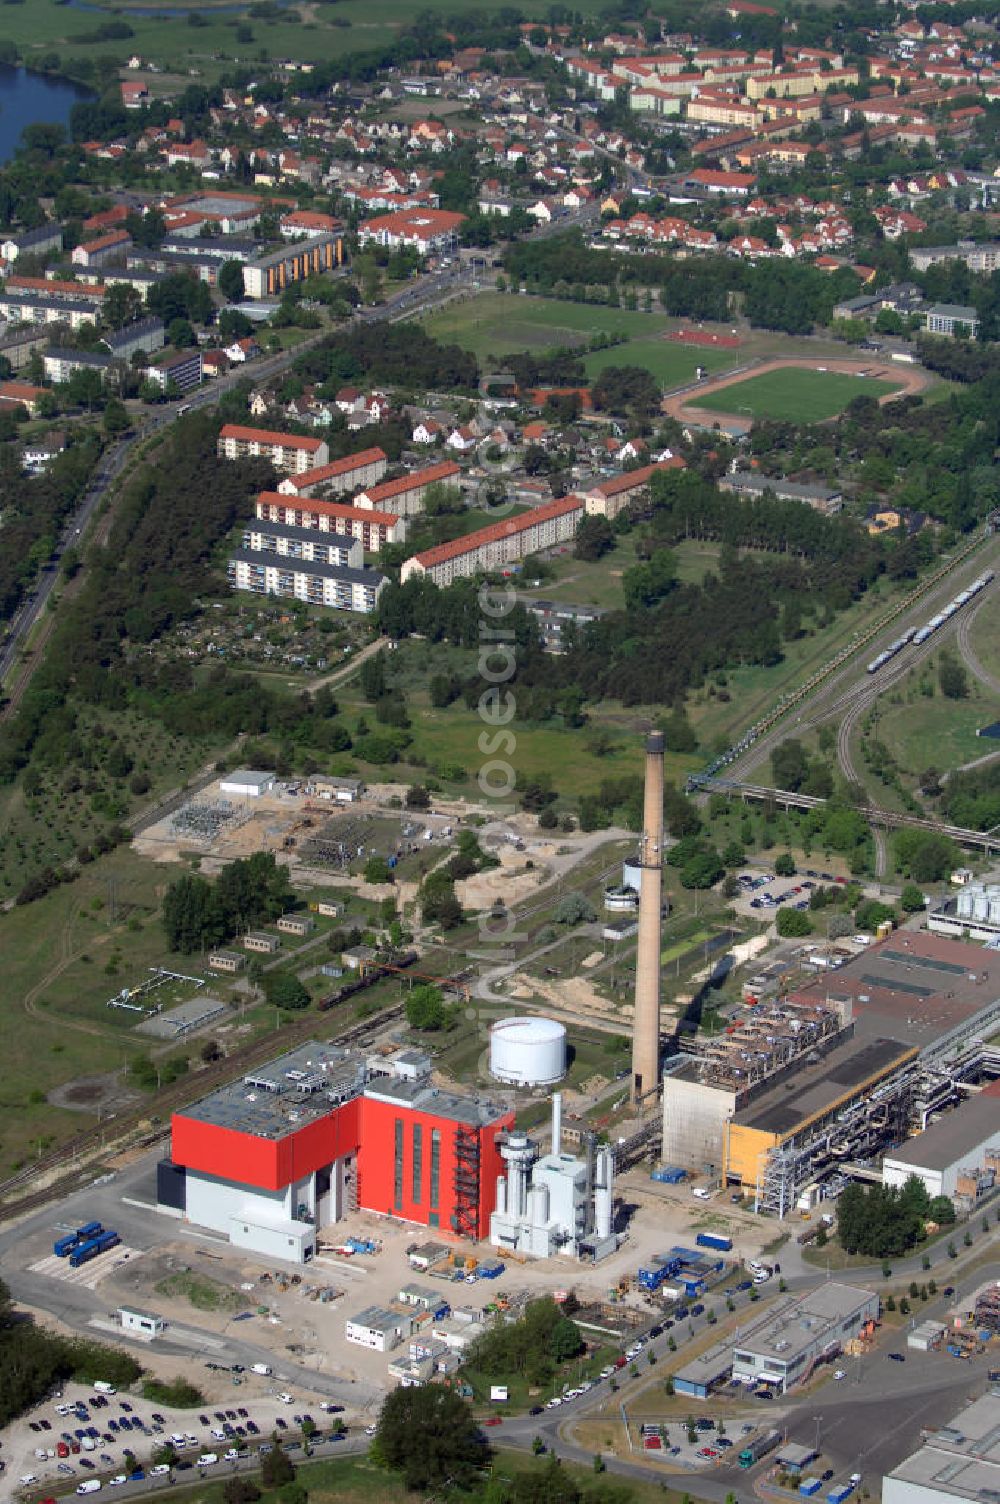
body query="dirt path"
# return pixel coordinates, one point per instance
(911, 380)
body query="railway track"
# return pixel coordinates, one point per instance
(170, 1099)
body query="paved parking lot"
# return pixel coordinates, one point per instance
(125, 1422)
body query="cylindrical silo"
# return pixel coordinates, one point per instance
(528, 1051)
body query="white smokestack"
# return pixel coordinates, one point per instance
(557, 1122)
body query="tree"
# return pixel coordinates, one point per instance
(240, 1491)
(283, 990)
(793, 923)
(430, 1436)
(120, 305)
(784, 864)
(594, 538)
(953, 679)
(116, 419)
(417, 797)
(789, 765)
(276, 1468)
(426, 1008)
(231, 281)
(941, 1210)
(575, 908)
(912, 899)
(377, 870)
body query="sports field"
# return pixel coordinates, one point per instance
(793, 393)
(496, 325)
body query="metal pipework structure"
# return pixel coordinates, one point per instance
(646, 1025)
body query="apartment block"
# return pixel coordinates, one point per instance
(294, 453)
(348, 474)
(317, 583)
(268, 276)
(405, 496)
(374, 529)
(502, 543)
(609, 497)
(290, 542)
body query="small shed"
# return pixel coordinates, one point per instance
(247, 783)
(144, 1324)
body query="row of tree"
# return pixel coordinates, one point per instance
(198, 914)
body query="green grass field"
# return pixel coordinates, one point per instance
(939, 733)
(800, 395)
(498, 324)
(985, 633)
(208, 47)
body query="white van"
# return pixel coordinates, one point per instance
(262, 1368)
(207, 1458)
(101, 1386)
(89, 1486)
(701, 1193)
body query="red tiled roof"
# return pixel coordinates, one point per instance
(46, 284)
(632, 479)
(329, 509)
(266, 436)
(497, 530)
(338, 467)
(387, 489)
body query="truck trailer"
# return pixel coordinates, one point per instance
(716, 1240)
(758, 1447)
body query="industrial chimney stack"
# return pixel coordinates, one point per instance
(646, 1031)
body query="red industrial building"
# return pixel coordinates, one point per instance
(316, 1135)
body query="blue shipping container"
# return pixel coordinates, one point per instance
(669, 1175)
(89, 1230)
(62, 1246)
(714, 1240)
(810, 1486)
(841, 1492)
(83, 1253)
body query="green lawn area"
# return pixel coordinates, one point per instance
(671, 364)
(499, 324)
(923, 733)
(985, 633)
(449, 738)
(800, 395)
(206, 47)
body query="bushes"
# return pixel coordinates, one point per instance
(32, 1360)
(176, 1392)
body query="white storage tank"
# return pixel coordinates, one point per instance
(528, 1051)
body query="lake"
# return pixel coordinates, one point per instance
(27, 98)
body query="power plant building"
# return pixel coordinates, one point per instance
(840, 1070)
(958, 1464)
(554, 1203)
(314, 1136)
(959, 1155)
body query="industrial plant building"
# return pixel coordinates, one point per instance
(837, 1072)
(781, 1348)
(554, 1203)
(315, 1135)
(959, 1464)
(959, 1155)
